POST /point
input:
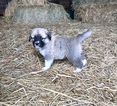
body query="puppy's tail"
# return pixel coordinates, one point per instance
(84, 35)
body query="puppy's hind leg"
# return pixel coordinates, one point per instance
(84, 62)
(77, 63)
(83, 58)
(48, 64)
(80, 69)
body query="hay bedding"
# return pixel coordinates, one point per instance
(76, 3)
(97, 13)
(12, 6)
(96, 85)
(35, 11)
(40, 14)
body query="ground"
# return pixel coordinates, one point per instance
(24, 84)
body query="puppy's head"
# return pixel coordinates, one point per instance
(40, 37)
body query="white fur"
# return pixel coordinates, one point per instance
(77, 70)
(48, 64)
(84, 62)
(40, 31)
(42, 52)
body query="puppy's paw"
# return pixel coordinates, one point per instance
(84, 62)
(45, 68)
(77, 70)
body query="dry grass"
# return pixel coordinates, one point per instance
(12, 6)
(33, 2)
(24, 84)
(97, 13)
(81, 2)
(35, 11)
(50, 13)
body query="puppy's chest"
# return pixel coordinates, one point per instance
(45, 52)
(42, 52)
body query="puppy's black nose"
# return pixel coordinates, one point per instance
(37, 44)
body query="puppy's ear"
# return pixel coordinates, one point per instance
(31, 39)
(49, 35)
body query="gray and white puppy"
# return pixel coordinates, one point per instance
(56, 47)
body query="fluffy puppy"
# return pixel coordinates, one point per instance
(56, 47)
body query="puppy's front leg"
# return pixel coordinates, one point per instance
(48, 64)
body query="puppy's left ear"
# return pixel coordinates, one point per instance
(49, 35)
(31, 39)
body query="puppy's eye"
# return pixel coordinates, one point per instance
(43, 38)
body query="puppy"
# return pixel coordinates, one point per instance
(56, 47)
